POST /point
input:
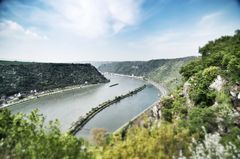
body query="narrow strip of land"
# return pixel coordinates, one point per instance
(78, 125)
(45, 93)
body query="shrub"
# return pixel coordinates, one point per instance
(167, 115)
(199, 90)
(167, 102)
(202, 117)
(24, 136)
(166, 142)
(191, 68)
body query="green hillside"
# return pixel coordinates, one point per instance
(164, 71)
(23, 77)
(198, 120)
(4, 62)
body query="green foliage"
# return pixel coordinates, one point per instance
(224, 109)
(167, 115)
(164, 142)
(180, 108)
(234, 68)
(24, 136)
(168, 74)
(219, 57)
(232, 137)
(224, 53)
(167, 102)
(24, 77)
(173, 107)
(199, 90)
(223, 98)
(191, 68)
(167, 105)
(164, 71)
(202, 117)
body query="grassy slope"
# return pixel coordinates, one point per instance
(164, 71)
(168, 74)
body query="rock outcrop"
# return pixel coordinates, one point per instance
(235, 96)
(218, 83)
(186, 88)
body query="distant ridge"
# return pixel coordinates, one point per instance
(16, 76)
(164, 71)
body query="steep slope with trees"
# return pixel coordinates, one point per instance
(23, 77)
(200, 119)
(164, 71)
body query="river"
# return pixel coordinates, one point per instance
(68, 106)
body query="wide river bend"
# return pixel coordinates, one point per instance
(68, 106)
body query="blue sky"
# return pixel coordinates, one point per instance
(96, 30)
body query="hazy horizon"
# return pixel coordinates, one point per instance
(87, 61)
(111, 30)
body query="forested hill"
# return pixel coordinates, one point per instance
(198, 120)
(165, 71)
(25, 76)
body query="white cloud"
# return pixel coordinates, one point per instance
(210, 18)
(11, 29)
(208, 22)
(186, 41)
(91, 18)
(87, 18)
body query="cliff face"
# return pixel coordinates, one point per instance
(23, 77)
(165, 71)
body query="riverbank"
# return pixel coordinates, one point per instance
(164, 91)
(137, 119)
(78, 125)
(45, 93)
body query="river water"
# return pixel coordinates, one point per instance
(68, 106)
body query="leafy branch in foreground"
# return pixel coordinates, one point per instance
(25, 136)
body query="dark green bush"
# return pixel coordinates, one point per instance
(191, 68)
(24, 136)
(199, 90)
(202, 117)
(167, 115)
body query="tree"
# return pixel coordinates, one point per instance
(25, 136)
(202, 117)
(199, 90)
(191, 68)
